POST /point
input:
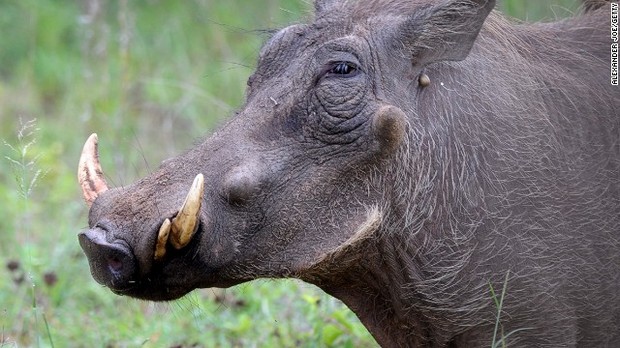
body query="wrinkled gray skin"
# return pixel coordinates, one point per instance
(401, 200)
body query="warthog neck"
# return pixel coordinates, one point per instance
(400, 297)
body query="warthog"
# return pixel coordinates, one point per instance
(406, 157)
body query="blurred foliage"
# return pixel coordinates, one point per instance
(537, 10)
(151, 77)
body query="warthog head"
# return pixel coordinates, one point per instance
(299, 178)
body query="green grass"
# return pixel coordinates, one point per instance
(499, 336)
(150, 77)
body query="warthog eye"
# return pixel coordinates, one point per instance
(343, 68)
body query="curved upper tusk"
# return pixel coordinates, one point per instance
(185, 224)
(89, 172)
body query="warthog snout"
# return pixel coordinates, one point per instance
(111, 264)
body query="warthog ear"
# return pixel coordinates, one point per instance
(443, 32)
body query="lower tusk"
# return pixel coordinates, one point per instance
(185, 224)
(162, 239)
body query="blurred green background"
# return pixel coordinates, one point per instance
(150, 77)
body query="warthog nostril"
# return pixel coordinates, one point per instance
(115, 264)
